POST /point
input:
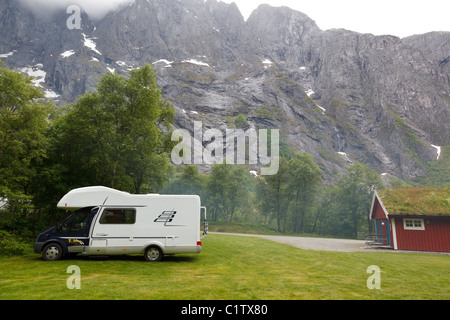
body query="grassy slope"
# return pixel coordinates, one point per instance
(232, 267)
(438, 171)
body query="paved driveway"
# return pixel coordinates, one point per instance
(341, 245)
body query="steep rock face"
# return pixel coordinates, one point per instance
(176, 30)
(435, 46)
(389, 92)
(39, 46)
(380, 91)
(339, 95)
(284, 34)
(383, 96)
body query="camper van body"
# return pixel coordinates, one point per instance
(106, 221)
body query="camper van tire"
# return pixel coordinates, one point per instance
(153, 254)
(52, 252)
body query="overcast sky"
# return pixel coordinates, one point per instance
(396, 17)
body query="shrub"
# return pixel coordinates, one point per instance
(11, 245)
(241, 121)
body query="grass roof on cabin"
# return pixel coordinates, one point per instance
(427, 201)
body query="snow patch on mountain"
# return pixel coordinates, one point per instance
(89, 43)
(67, 53)
(196, 62)
(36, 72)
(6, 55)
(439, 149)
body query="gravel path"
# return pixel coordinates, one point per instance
(341, 245)
(326, 244)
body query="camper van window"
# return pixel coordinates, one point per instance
(118, 216)
(76, 222)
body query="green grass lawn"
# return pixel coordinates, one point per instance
(232, 267)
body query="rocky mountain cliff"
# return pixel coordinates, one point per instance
(340, 95)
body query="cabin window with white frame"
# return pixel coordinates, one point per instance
(413, 224)
(118, 216)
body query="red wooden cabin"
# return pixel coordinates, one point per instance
(415, 219)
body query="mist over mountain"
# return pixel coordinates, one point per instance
(96, 9)
(339, 95)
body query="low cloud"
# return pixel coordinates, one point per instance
(96, 9)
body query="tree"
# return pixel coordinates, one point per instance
(353, 196)
(275, 194)
(226, 189)
(304, 179)
(23, 122)
(190, 181)
(324, 203)
(117, 136)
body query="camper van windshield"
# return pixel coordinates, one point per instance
(77, 221)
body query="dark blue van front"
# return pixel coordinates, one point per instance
(70, 236)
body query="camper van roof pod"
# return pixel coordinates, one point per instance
(95, 196)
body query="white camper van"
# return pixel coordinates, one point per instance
(106, 221)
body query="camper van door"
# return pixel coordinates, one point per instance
(74, 230)
(113, 230)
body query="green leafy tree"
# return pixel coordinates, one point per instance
(304, 180)
(323, 205)
(226, 189)
(23, 122)
(117, 136)
(353, 195)
(275, 195)
(190, 181)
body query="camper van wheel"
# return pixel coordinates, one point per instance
(153, 254)
(52, 252)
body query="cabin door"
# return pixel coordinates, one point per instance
(383, 232)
